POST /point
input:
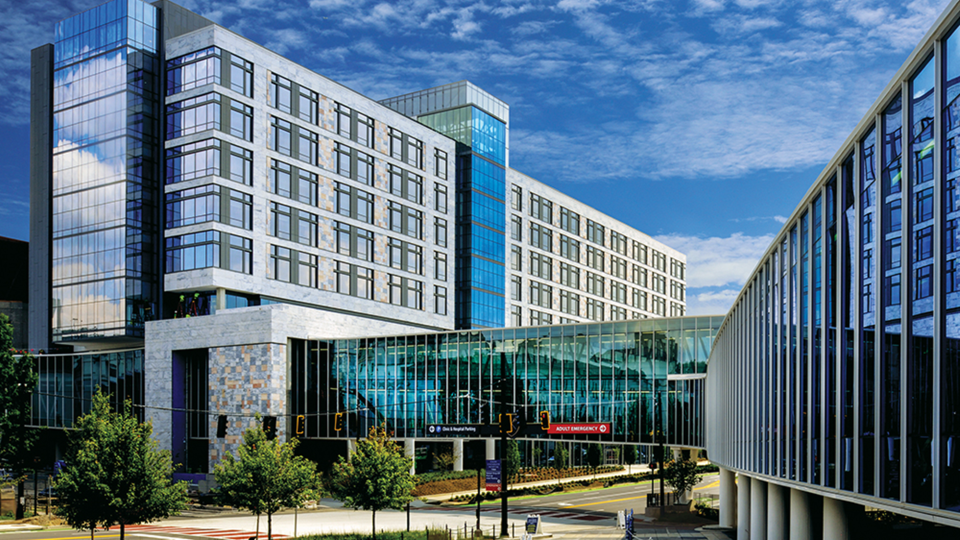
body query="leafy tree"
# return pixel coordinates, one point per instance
(682, 476)
(537, 453)
(630, 454)
(511, 462)
(266, 476)
(377, 475)
(115, 475)
(594, 456)
(18, 381)
(560, 456)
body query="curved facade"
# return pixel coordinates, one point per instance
(839, 363)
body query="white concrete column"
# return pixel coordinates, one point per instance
(758, 509)
(676, 454)
(777, 510)
(491, 448)
(458, 454)
(728, 499)
(837, 518)
(801, 522)
(409, 447)
(694, 454)
(743, 507)
(351, 448)
(221, 299)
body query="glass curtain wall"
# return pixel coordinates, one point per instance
(625, 373)
(104, 228)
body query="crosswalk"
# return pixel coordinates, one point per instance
(224, 534)
(520, 512)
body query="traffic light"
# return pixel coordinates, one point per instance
(301, 425)
(506, 423)
(338, 422)
(222, 426)
(544, 420)
(270, 427)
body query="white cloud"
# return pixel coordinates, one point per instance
(711, 302)
(716, 261)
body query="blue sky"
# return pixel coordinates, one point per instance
(699, 122)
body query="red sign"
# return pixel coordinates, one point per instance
(579, 429)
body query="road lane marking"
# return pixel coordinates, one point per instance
(610, 501)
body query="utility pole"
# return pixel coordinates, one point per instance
(504, 481)
(660, 437)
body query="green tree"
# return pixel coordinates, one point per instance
(376, 477)
(18, 380)
(630, 455)
(560, 456)
(682, 476)
(115, 474)
(511, 463)
(266, 476)
(594, 456)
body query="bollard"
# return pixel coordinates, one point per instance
(513, 533)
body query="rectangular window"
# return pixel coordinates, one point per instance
(618, 313)
(405, 220)
(364, 131)
(618, 243)
(282, 222)
(240, 254)
(192, 206)
(618, 292)
(281, 136)
(924, 205)
(308, 143)
(406, 148)
(618, 266)
(569, 275)
(541, 237)
(677, 269)
(241, 120)
(570, 302)
(595, 258)
(440, 231)
(440, 266)
(405, 292)
(659, 306)
(924, 285)
(281, 218)
(677, 291)
(280, 263)
(306, 270)
(541, 294)
(293, 182)
(516, 316)
(570, 221)
(595, 232)
(203, 158)
(193, 115)
(516, 285)
(241, 76)
(516, 228)
(308, 105)
(595, 284)
(952, 235)
(639, 252)
(638, 275)
(638, 299)
(541, 266)
(569, 248)
(240, 208)
(893, 215)
(659, 261)
(307, 228)
(405, 184)
(440, 300)
(353, 241)
(595, 309)
(516, 200)
(192, 251)
(516, 256)
(405, 256)
(539, 319)
(353, 202)
(344, 120)
(440, 158)
(892, 286)
(952, 276)
(281, 93)
(440, 197)
(207, 66)
(923, 248)
(659, 283)
(541, 208)
(354, 280)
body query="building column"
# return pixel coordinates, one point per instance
(676, 454)
(458, 454)
(838, 516)
(743, 507)
(409, 447)
(801, 521)
(758, 509)
(351, 448)
(694, 454)
(728, 499)
(221, 302)
(491, 445)
(777, 511)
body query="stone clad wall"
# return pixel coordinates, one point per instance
(245, 380)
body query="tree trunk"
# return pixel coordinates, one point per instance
(258, 526)
(374, 525)
(269, 526)
(122, 528)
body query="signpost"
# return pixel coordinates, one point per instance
(493, 475)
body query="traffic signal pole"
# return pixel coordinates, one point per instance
(504, 480)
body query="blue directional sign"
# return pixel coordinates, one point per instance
(493, 475)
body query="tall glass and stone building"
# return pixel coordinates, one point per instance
(199, 202)
(834, 378)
